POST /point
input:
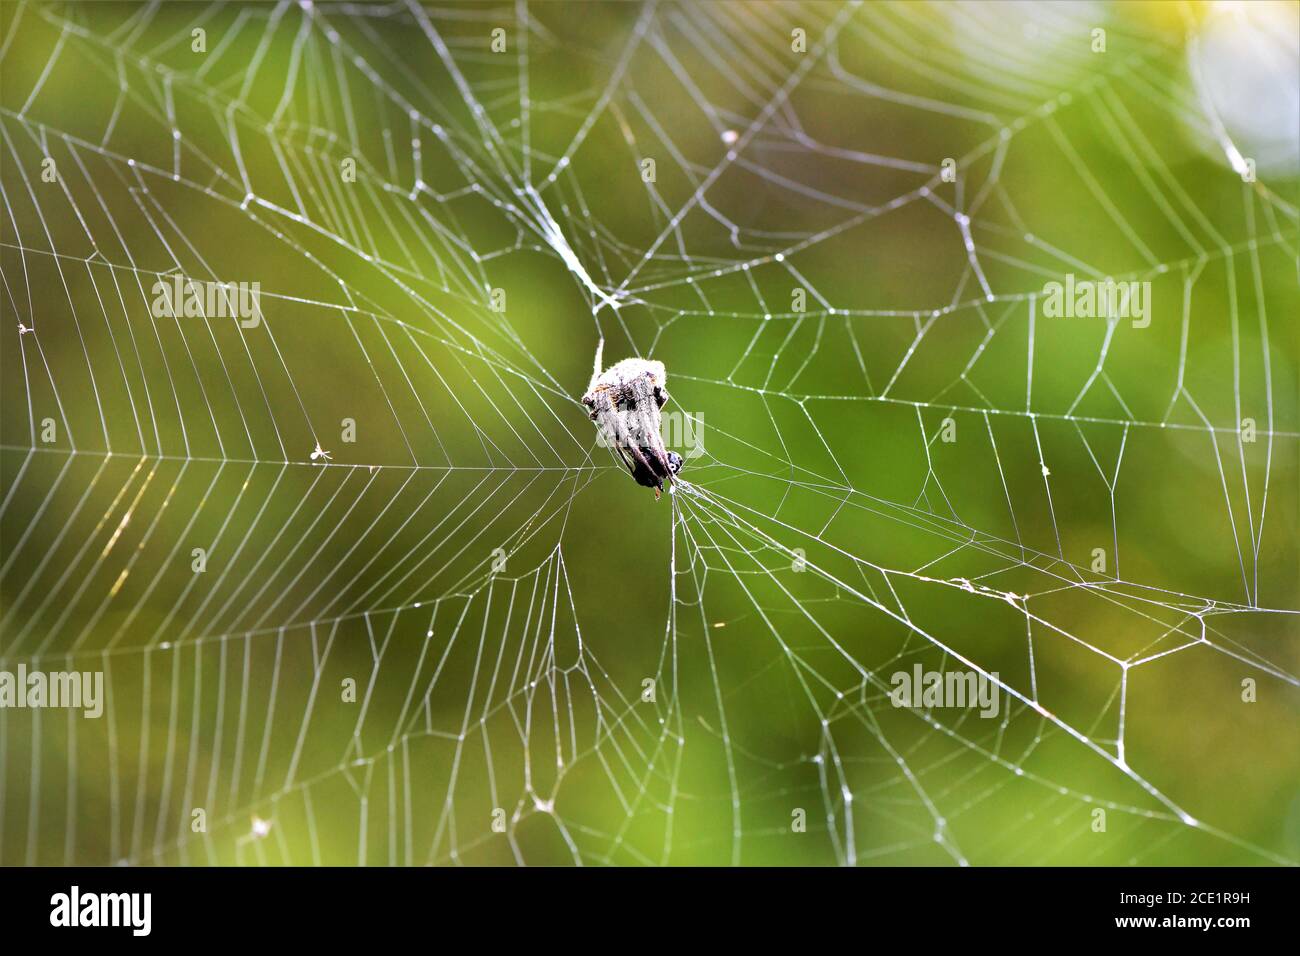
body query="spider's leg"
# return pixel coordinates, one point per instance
(644, 469)
(612, 422)
(626, 442)
(654, 443)
(662, 398)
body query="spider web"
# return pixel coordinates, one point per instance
(533, 642)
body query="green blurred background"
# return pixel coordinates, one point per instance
(514, 692)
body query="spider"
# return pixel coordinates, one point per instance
(624, 401)
(320, 453)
